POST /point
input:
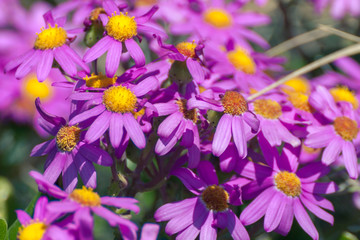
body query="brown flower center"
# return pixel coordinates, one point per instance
(215, 198)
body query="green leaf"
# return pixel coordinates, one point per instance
(3, 228)
(14, 228)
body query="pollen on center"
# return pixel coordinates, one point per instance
(342, 93)
(346, 128)
(242, 61)
(187, 49)
(67, 138)
(288, 183)
(188, 114)
(99, 81)
(121, 27)
(300, 101)
(86, 197)
(215, 198)
(234, 103)
(119, 99)
(218, 18)
(50, 38)
(33, 231)
(267, 108)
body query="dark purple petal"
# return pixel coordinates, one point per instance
(192, 182)
(85, 222)
(312, 172)
(135, 52)
(69, 175)
(134, 130)
(45, 64)
(235, 227)
(95, 154)
(43, 148)
(98, 127)
(55, 120)
(207, 173)
(320, 187)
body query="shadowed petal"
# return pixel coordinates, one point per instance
(43, 148)
(86, 170)
(95, 111)
(95, 154)
(69, 175)
(52, 172)
(192, 182)
(207, 232)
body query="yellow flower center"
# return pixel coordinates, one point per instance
(187, 49)
(346, 128)
(86, 197)
(67, 138)
(267, 108)
(139, 113)
(342, 93)
(242, 61)
(188, 114)
(298, 84)
(33, 88)
(121, 27)
(215, 198)
(234, 103)
(50, 38)
(94, 15)
(119, 99)
(300, 101)
(288, 183)
(142, 3)
(218, 18)
(310, 150)
(33, 231)
(99, 81)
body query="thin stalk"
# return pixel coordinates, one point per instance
(348, 51)
(339, 33)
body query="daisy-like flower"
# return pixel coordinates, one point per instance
(339, 8)
(283, 192)
(68, 153)
(83, 202)
(207, 211)
(340, 137)
(121, 29)
(271, 116)
(180, 123)
(232, 123)
(115, 109)
(51, 42)
(41, 226)
(219, 21)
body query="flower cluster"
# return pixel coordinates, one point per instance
(157, 109)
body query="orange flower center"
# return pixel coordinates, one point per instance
(346, 128)
(267, 108)
(188, 114)
(234, 103)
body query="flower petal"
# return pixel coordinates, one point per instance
(133, 129)
(222, 135)
(135, 52)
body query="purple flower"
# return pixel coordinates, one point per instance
(340, 137)
(120, 29)
(41, 226)
(339, 8)
(83, 202)
(282, 192)
(232, 123)
(68, 153)
(207, 211)
(50, 43)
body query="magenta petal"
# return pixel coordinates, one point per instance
(257, 208)
(95, 111)
(192, 182)
(304, 220)
(238, 132)
(65, 61)
(146, 17)
(207, 173)
(179, 223)
(65, 206)
(19, 60)
(169, 124)
(331, 152)
(172, 210)
(133, 129)
(48, 187)
(98, 49)
(166, 108)
(320, 187)
(315, 209)
(75, 58)
(45, 64)
(235, 227)
(110, 7)
(124, 202)
(98, 127)
(54, 120)
(69, 175)
(40, 208)
(350, 159)
(195, 70)
(207, 232)
(23, 217)
(116, 129)
(274, 212)
(112, 218)
(135, 52)
(95, 154)
(145, 28)
(145, 86)
(222, 135)
(287, 218)
(83, 96)
(113, 58)
(149, 231)
(86, 170)
(52, 172)
(43, 148)
(252, 121)
(319, 137)
(85, 222)
(28, 64)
